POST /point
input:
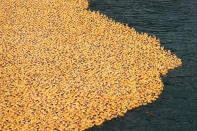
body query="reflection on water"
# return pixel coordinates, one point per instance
(175, 23)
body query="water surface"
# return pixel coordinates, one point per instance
(175, 23)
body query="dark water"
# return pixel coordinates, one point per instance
(175, 23)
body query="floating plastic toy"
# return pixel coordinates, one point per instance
(64, 67)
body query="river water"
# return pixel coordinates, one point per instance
(175, 23)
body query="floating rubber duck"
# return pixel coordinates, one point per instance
(84, 66)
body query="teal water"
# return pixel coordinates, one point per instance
(175, 23)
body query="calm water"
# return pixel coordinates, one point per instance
(175, 23)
